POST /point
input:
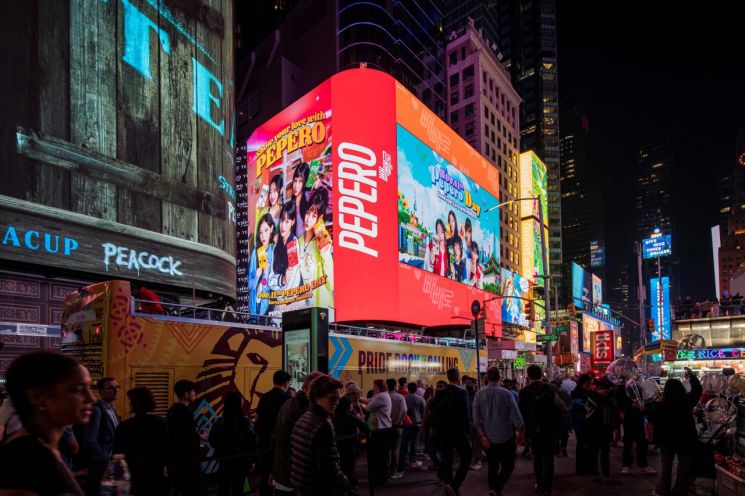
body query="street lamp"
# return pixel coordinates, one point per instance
(545, 277)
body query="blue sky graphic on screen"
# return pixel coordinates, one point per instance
(514, 287)
(660, 304)
(581, 289)
(443, 226)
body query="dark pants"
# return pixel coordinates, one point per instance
(266, 467)
(93, 480)
(186, 478)
(231, 477)
(378, 455)
(462, 444)
(409, 443)
(543, 461)
(432, 446)
(395, 448)
(564, 438)
(666, 473)
(501, 460)
(348, 464)
(633, 432)
(581, 452)
(598, 445)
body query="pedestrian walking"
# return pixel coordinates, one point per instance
(348, 426)
(541, 409)
(497, 417)
(561, 447)
(634, 434)
(477, 453)
(235, 442)
(379, 420)
(415, 405)
(316, 470)
(98, 434)
(266, 420)
(599, 428)
(675, 433)
(143, 440)
(50, 391)
(578, 417)
(354, 393)
(184, 470)
(450, 417)
(288, 416)
(398, 413)
(431, 441)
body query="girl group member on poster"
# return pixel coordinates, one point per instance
(439, 256)
(260, 264)
(285, 273)
(474, 276)
(315, 250)
(299, 190)
(275, 198)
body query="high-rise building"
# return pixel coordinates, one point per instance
(483, 109)
(583, 230)
(732, 209)
(524, 32)
(318, 38)
(654, 189)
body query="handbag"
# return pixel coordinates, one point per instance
(406, 422)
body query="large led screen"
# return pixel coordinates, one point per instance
(515, 290)
(349, 199)
(444, 226)
(660, 304)
(597, 290)
(581, 290)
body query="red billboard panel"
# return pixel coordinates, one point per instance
(327, 225)
(602, 348)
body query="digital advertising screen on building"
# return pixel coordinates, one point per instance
(358, 203)
(597, 290)
(659, 299)
(515, 291)
(659, 245)
(533, 183)
(581, 287)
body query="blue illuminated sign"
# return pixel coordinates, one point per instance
(657, 246)
(660, 299)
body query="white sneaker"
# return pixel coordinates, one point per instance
(397, 475)
(476, 466)
(646, 471)
(626, 470)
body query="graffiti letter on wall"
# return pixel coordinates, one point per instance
(137, 28)
(203, 97)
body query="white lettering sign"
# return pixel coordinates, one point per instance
(133, 260)
(358, 188)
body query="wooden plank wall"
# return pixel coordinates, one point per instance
(69, 80)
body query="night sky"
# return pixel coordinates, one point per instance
(642, 71)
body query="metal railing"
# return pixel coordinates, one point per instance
(706, 310)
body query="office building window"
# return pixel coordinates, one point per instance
(453, 58)
(468, 92)
(468, 73)
(469, 128)
(454, 116)
(454, 97)
(454, 79)
(469, 110)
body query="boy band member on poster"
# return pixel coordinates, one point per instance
(315, 250)
(439, 257)
(261, 261)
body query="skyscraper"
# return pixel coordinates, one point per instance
(732, 208)
(582, 204)
(317, 38)
(524, 32)
(483, 109)
(654, 189)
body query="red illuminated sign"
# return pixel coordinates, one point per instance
(602, 348)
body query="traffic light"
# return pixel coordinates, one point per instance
(650, 326)
(530, 310)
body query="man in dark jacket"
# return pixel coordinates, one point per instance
(633, 434)
(316, 470)
(185, 473)
(288, 416)
(98, 436)
(541, 409)
(450, 417)
(266, 420)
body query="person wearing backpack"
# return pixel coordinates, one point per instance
(450, 418)
(542, 410)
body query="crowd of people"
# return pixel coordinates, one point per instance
(308, 443)
(727, 305)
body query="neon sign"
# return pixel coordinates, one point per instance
(706, 354)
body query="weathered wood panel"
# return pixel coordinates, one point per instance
(178, 126)
(138, 122)
(209, 147)
(228, 157)
(52, 184)
(93, 63)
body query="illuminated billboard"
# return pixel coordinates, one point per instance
(346, 196)
(515, 290)
(581, 287)
(658, 245)
(597, 290)
(533, 183)
(660, 304)
(602, 348)
(590, 325)
(443, 226)
(597, 255)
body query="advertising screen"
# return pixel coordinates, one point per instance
(597, 290)
(590, 325)
(597, 255)
(574, 337)
(514, 287)
(533, 183)
(443, 226)
(602, 348)
(657, 246)
(660, 304)
(346, 197)
(297, 356)
(581, 287)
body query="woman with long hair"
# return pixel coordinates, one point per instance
(675, 433)
(234, 440)
(49, 392)
(439, 259)
(299, 198)
(143, 439)
(284, 268)
(262, 258)
(315, 253)
(275, 198)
